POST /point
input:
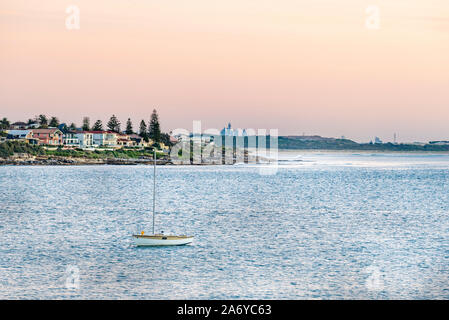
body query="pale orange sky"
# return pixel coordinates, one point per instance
(299, 66)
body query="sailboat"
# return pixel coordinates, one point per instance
(160, 239)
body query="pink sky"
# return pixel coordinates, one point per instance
(299, 66)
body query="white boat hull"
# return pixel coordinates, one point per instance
(161, 240)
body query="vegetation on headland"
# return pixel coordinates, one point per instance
(319, 143)
(122, 153)
(9, 148)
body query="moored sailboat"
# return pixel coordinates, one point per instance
(159, 239)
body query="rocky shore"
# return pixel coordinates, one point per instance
(46, 160)
(27, 160)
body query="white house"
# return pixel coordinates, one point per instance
(71, 139)
(85, 138)
(104, 138)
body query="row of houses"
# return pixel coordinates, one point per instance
(78, 139)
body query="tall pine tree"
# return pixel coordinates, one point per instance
(98, 126)
(54, 122)
(143, 130)
(86, 124)
(154, 131)
(129, 127)
(114, 124)
(43, 121)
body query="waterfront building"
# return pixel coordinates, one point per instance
(70, 139)
(50, 136)
(105, 138)
(18, 126)
(85, 139)
(90, 139)
(123, 140)
(33, 125)
(138, 141)
(19, 134)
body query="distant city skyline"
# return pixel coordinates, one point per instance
(309, 67)
(228, 127)
(362, 137)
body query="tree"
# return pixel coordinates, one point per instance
(114, 124)
(98, 126)
(4, 124)
(129, 127)
(86, 124)
(143, 130)
(165, 139)
(72, 126)
(43, 121)
(54, 122)
(154, 130)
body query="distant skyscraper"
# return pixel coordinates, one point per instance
(228, 131)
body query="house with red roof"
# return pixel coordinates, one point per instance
(50, 136)
(123, 140)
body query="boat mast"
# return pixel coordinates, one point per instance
(154, 187)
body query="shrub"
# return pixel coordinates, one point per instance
(8, 148)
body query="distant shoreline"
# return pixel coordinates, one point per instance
(82, 161)
(333, 144)
(364, 151)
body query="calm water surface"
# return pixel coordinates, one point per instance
(325, 226)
